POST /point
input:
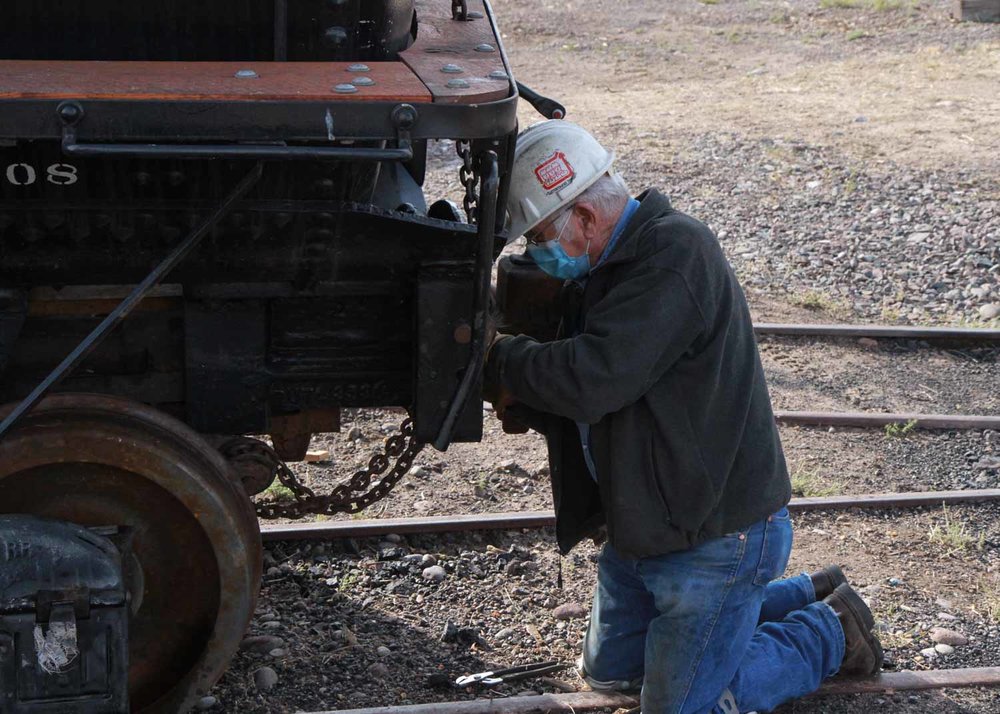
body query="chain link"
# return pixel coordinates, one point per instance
(402, 447)
(468, 174)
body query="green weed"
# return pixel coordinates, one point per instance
(812, 300)
(954, 536)
(808, 484)
(278, 491)
(898, 431)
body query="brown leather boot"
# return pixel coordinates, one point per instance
(825, 581)
(862, 650)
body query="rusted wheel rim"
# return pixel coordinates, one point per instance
(98, 460)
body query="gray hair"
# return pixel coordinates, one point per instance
(608, 194)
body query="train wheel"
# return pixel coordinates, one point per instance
(99, 460)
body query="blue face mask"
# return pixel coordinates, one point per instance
(551, 257)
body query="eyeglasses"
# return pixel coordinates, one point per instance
(536, 237)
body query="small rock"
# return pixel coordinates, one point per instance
(394, 538)
(345, 636)
(378, 671)
(428, 559)
(450, 632)
(383, 651)
(434, 574)
(868, 343)
(948, 637)
(944, 649)
(988, 312)
(929, 652)
(388, 551)
(206, 703)
(313, 457)
(569, 611)
(947, 617)
(261, 644)
(354, 433)
(271, 625)
(419, 472)
(504, 634)
(265, 679)
(895, 582)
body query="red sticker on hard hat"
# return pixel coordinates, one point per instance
(554, 171)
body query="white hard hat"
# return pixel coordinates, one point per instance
(554, 162)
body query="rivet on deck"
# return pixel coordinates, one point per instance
(451, 69)
(345, 88)
(246, 74)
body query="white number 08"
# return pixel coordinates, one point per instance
(25, 174)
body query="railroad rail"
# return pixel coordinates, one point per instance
(958, 334)
(873, 420)
(887, 682)
(540, 519)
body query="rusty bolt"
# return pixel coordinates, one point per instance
(463, 333)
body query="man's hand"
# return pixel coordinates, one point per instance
(510, 425)
(503, 400)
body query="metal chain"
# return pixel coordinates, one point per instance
(403, 447)
(468, 174)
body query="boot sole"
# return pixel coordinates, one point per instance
(857, 607)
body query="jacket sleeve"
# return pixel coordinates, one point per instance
(630, 338)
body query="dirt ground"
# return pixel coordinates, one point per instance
(868, 132)
(896, 82)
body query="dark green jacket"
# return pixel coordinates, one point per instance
(665, 368)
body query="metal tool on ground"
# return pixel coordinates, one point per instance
(492, 678)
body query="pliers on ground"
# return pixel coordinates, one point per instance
(511, 674)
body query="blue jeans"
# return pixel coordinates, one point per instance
(705, 630)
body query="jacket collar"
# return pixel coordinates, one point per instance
(652, 205)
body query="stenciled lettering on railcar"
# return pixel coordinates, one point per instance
(21, 174)
(293, 397)
(14, 550)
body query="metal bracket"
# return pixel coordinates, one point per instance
(486, 229)
(404, 116)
